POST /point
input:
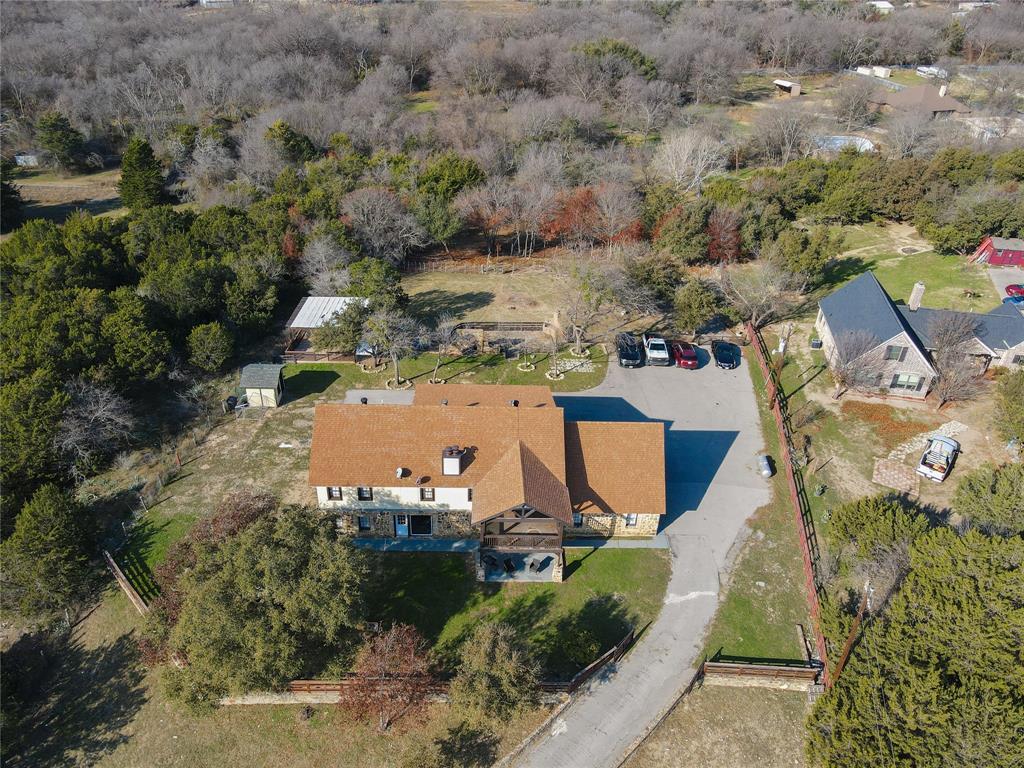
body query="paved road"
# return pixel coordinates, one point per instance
(712, 440)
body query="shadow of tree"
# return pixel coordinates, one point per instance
(577, 638)
(429, 304)
(468, 746)
(76, 712)
(841, 270)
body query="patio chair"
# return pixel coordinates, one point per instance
(510, 567)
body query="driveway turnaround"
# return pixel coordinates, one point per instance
(712, 440)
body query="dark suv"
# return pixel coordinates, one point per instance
(726, 354)
(631, 351)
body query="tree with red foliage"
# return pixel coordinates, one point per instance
(575, 218)
(725, 241)
(391, 676)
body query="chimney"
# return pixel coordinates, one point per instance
(942, 89)
(914, 303)
(451, 460)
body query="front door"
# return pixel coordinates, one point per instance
(401, 525)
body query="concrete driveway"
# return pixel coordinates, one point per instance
(1004, 276)
(712, 440)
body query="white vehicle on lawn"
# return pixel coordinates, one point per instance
(938, 459)
(657, 351)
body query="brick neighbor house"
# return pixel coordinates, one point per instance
(495, 465)
(903, 333)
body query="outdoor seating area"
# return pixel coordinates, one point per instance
(516, 566)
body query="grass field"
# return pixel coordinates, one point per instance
(951, 283)
(567, 625)
(528, 294)
(764, 600)
(729, 728)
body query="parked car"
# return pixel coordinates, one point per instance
(1015, 290)
(657, 350)
(685, 355)
(727, 355)
(1015, 301)
(631, 351)
(938, 458)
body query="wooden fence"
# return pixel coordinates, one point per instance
(126, 586)
(798, 494)
(800, 672)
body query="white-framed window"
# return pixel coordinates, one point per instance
(631, 520)
(577, 519)
(426, 494)
(364, 494)
(334, 493)
(895, 352)
(907, 381)
(1017, 360)
(363, 522)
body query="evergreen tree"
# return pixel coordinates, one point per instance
(46, 559)
(1010, 406)
(293, 146)
(496, 676)
(695, 304)
(62, 140)
(10, 196)
(209, 346)
(342, 332)
(142, 181)
(992, 498)
(936, 680)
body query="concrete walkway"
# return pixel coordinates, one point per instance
(712, 442)
(419, 545)
(658, 542)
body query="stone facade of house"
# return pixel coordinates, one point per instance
(615, 525)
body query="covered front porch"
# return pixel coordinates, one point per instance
(520, 544)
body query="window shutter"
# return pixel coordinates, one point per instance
(895, 381)
(920, 383)
(903, 354)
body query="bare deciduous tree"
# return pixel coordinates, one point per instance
(384, 228)
(959, 375)
(783, 133)
(392, 676)
(323, 266)
(856, 362)
(96, 422)
(759, 293)
(907, 132)
(394, 334)
(647, 104)
(586, 291)
(686, 158)
(445, 335)
(851, 102)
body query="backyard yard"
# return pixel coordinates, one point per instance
(529, 294)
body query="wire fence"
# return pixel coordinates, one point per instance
(798, 493)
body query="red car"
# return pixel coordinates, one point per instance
(685, 355)
(1015, 290)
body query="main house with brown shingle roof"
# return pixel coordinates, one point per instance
(496, 464)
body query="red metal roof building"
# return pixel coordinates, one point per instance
(1000, 252)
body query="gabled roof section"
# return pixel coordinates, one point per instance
(261, 376)
(491, 395)
(520, 478)
(364, 445)
(1008, 243)
(1002, 328)
(922, 98)
(616, 467)
(862, 305)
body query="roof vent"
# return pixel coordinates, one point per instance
(445, 401)
(451, 460)
(400, 472)
(363, 401)
(514, 403)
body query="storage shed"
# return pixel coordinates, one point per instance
(262, 384)
(1000, 252)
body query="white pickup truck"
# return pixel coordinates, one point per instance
(657, 351)
(938, 458)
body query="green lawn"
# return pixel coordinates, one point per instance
(331, 380)
(951, 283)
(567, 624)
(765, 597)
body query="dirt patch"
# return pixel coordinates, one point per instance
(891, 425)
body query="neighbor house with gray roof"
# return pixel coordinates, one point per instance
(902, 358)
